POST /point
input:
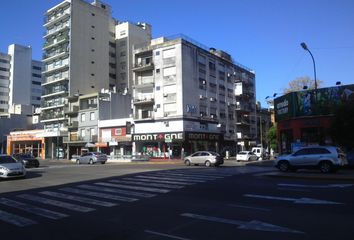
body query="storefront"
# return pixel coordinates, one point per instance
(115, 141)
(305, 117)
(175, 144)
(26, 142)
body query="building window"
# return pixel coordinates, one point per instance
(92, 14)
(92, 116)
(92, 132)
(92, 74)
(92, 26)
(92, 62)
(118, 131)
(158, 71)
(157, 53)
(83, 117)
(82, 133)
(123, 54)
(92, 38)
(122, 33)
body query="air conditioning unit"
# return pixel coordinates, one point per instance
(201, 96)
(212, 99)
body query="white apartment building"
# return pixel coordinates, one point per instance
(188, 97)
(20, 80)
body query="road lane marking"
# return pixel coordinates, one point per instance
(251, 225)
(171, 179)
(315, 186)
(148, 184)
(158, 181)
(295, 200)
(165, 235)
(15, 220)
(204, 172)
(293, 189)
(184, 176)
(32, 209)
(98, 194)
(147, 189)
(115, 190)
(192, 175)
(79, 199)
(70, 206)
(248, 207)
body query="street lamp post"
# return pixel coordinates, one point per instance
(304, 46)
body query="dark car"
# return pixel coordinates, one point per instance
(27, 160)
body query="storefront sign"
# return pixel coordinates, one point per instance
(194, 136)
(161, 137)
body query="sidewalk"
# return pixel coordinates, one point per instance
(345, 174)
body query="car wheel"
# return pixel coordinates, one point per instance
(91, 162)
(207, 163)
(77, 161)
(103, 162)
(283, 166)
(187, 162)
(326, 167)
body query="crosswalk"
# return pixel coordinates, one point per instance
(18, 210)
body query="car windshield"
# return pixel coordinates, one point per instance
(7, 159)
(24, 156)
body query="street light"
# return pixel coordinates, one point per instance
(304, 46)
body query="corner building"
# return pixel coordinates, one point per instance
(187, 97)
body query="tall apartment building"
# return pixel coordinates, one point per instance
(81, 56)
(188, 97)
(20, 80)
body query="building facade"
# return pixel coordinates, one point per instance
(20, 80)
(188, 97)
(83, 55)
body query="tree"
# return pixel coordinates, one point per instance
(299, 83)
(342, 129)
(272, 137)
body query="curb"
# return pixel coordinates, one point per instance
(318, 176)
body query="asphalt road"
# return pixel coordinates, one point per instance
(175, 202)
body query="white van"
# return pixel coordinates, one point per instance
(259, 151)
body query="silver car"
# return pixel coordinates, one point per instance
(10, 168)
(92, 158)
(326, 158)
(206, 158)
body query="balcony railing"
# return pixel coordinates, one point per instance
(71, 111)
(143, 67)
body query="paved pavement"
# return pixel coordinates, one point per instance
(345, 174)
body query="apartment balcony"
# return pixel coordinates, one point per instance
(73, 126)
(52, 32)
(73, 111)
(52, 117)
(56, 68)
(144, 84)
(144, 100)
(55, 42)
(169, 80)
(55, 92)
(50, 21)
(52, 80)
(51, 105)
(143, 67)
(52, 56)
(243, 121)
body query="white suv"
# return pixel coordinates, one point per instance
(326, 158)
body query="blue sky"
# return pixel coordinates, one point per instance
(264, 35)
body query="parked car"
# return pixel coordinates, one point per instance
(326, 158)
(10, 167)
(92, 158)
(27, 160)
(206, 158)
(246, 156)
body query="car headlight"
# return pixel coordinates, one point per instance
(4, 169)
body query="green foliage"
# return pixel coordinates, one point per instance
(272, 137)
(342, 129)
